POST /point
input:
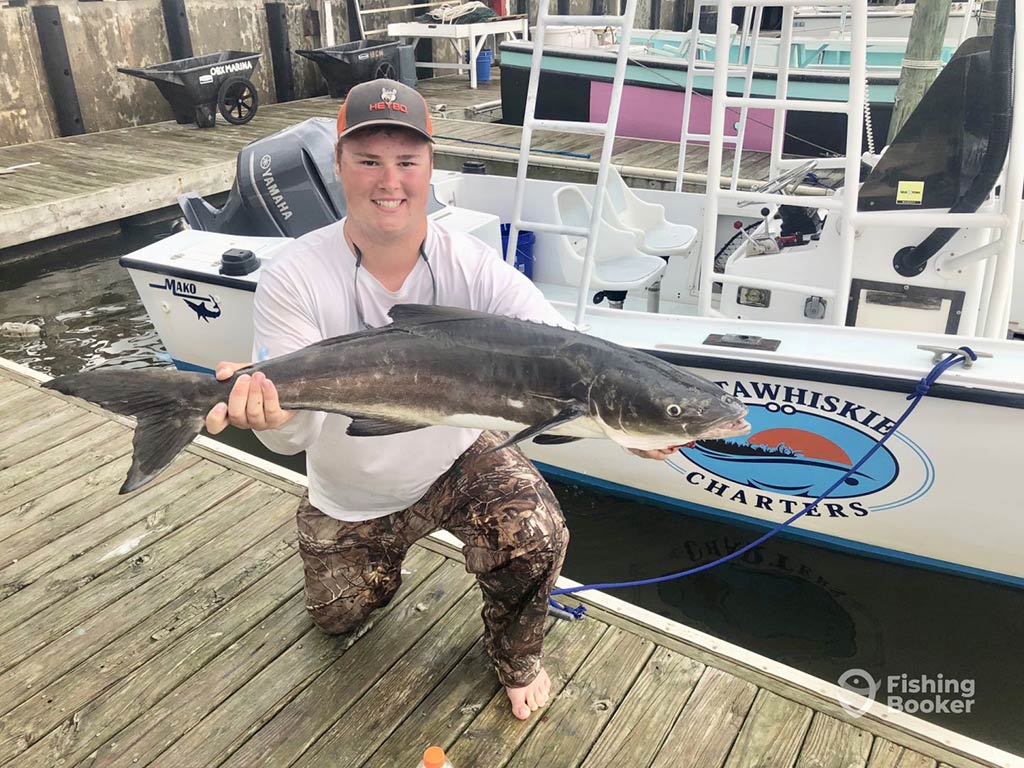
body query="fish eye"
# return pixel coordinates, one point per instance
(674, 411)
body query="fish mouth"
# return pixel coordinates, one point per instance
(730, 428)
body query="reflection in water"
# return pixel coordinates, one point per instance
(87, 307)
(821, 611)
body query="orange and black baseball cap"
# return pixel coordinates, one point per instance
(384, 102)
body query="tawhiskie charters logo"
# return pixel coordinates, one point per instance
(801, 441)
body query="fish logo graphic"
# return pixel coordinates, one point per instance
(189, 293)
(797, 454)
(202, 311)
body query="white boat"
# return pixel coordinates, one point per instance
(806, 318)
(892, 20)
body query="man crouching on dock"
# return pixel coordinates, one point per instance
(370, 499)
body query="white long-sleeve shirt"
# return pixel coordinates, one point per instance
(306, 294)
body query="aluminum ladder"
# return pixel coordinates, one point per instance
(624, 23)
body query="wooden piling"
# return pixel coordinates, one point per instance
(921, 63)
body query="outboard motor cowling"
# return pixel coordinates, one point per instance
(285, 186)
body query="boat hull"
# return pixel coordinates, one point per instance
(924, 498)
(921, 499)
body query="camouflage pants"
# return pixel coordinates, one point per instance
(514, 538)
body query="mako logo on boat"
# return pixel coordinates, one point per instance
(238, 66)
(205, 307)
(802, 441)
(271, 186)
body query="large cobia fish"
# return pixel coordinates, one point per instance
(437, 366)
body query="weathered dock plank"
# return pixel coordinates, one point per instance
(71, 428)
(364, 727)
(885, 754)
(707, 727)
(772, 733)
(192, 677)
(27, 597)
(20, 407)
(50, 642)
(8, 387)
(641, 724)
(48, 421)
(51, 473)
(33, 506)
(831, 743)
(76, 690)
(580, 713)
(494, 735)
(81, 527)
(448, 710)
(340, 680)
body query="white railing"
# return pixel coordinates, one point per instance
(607, 129)
(844, 207)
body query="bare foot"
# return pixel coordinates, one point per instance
(530, 697)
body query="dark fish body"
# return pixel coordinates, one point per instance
(438, 366)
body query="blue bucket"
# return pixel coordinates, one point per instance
(483, 65)
(524, 249)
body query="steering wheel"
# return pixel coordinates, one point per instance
(791, 177)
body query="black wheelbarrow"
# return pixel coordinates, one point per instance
(200, 86)
(349, 64)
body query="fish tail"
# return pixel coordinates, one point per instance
(170, 408)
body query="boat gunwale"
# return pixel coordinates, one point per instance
(880, 79)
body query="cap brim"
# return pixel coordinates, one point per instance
(386, 122)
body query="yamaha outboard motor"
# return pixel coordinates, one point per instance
(285, 186)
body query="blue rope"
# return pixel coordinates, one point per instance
(920, 390)
(813, 179)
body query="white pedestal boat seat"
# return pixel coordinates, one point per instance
(658, 236)
(619, 264)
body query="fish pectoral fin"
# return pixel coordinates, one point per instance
(361, 427)
(564, 416)
(554, 439)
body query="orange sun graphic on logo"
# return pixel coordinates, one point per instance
(807, 444)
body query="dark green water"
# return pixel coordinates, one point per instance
(820, 611)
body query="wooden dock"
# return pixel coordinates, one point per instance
(167, 628)
(71, 183)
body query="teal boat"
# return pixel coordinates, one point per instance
(577, 71)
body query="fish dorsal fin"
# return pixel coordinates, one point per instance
(415, 314)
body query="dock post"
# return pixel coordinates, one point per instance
(424, 51)
(57, 63)
(280, 51)
(921, 62)
(179, 40)
(355, 20)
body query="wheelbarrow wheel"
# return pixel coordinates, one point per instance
(205, 116)
(237, 100)
(386, 69)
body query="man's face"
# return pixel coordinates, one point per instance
(386, 178)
